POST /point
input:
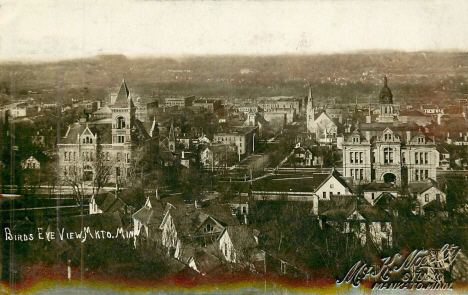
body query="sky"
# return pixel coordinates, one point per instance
(51, 30)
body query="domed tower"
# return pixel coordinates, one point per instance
(387, 111)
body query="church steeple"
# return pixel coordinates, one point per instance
(310, 114)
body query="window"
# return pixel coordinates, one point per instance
(426, 197)
(388, 155)
(108, 156)
(361, 157)
(74, 156)
(383, 226)
(351, 157)
(324, 195)
(416, 176)
(121, 139)
(426, 158)
(373, 196)
(352, 173)
(416, 158)
(244, 210)
(426, 174)
(356, 139)
(65, 156)
(120, 123)
(331, 185)
(403, 158)
(117, 171)
(127, 158)
(208, 228)
(118, 157)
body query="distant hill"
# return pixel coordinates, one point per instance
(423, 75)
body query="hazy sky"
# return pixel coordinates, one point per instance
(33, 29)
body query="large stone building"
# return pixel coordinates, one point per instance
(88, 147)
(389, 150)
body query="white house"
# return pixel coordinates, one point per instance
(238, 244)
(332, 185)
(31, 163)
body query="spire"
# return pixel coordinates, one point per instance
(122, 97)
(309, 97)
(385, 80)
(171, 131)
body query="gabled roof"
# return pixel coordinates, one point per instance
(412, 113)
(373, 213)
(76, 130)
(356, 133)
(338, 206)
(150, 216)
(289, 183)
(380, 187)
(384, 199)
(241, 237)
(414, 140)
(334, 174)
(111, 203)
(421, 187)
(122, 100)
(222, 213)
(140, 127)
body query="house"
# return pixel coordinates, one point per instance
(106, 203)
(290, 187)
(444, 160)
(414, 116)
(306, 155)
(30, 163)
(147, 220)
(427, 197)
(325, 128)
(36, 161)
(370, 224)
(430, 109)
(375, 190)
(239, 245)
(242, 136)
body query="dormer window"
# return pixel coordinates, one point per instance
(87, 139)
(356, 139)
(421, 140)
(388, 137)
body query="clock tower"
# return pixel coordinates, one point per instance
(387, 110)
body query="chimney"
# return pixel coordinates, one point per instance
(408, 136)
(368, 119)
(368, 135)
(245, 219)
(461, 134)
(183, 155)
